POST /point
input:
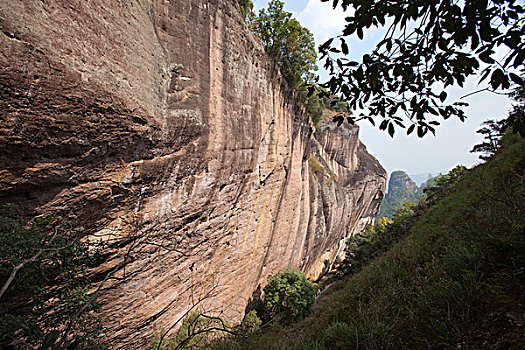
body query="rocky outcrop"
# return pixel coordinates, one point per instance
(400, 181)
(162, 129)
(401, 188)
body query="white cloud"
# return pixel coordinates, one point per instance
(322, 20)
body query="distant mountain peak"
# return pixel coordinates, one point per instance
(400, 188)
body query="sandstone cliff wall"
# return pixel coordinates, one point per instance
(163, 130)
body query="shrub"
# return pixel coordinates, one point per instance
(289, 294)
(47, 266)
(250, 324)
(444, 185)
(195, 330)
(375, 240)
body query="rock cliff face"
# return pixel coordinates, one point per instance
(163, 130)
(400, 181)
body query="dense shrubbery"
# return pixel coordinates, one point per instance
(287, 42)
(246, 8)
(292, 47)
(42, 271)
(289, 294)
(443, 186)
(195, 331)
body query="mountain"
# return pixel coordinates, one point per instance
(161, 131)
(400, 188)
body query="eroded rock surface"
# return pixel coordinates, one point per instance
(162, 129)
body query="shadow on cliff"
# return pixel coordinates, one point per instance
(256, 303)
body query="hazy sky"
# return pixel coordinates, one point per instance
(431, 154)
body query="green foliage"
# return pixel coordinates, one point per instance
(321, 105)
(315, 165)
(443, 185)
(49, 287)
(375, 240)
(289, 44)
(200, 331)
(246, 8)
(492, 131)
(188, 336)
(250, 323)
(516, 118)
(292, 47)
(428, 47)
(289, 294)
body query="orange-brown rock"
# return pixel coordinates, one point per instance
(163, 130)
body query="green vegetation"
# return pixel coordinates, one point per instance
(292, 47)
(428, 47)
(289, 294)
(375, 240)
(516, 118)
(443, 185)
(315, 165)
(44, 297)
(288, 297)
(246, 8)
(492, 131)
(250, 324)
(196, 330)
(445, 273)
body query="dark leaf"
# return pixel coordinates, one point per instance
(420, 131)
(516, 79)
(497, 78)
(344, 47)
(391, 130)
(519, 59)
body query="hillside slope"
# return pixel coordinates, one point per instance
(455, 281)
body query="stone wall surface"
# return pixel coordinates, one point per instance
(162, 129)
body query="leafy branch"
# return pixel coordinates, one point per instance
(428, 47)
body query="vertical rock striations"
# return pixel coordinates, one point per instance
(163, 130)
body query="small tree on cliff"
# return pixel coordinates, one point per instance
(287, 42)
(492, 132)
(246, 8)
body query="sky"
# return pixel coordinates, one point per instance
(416, 156)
